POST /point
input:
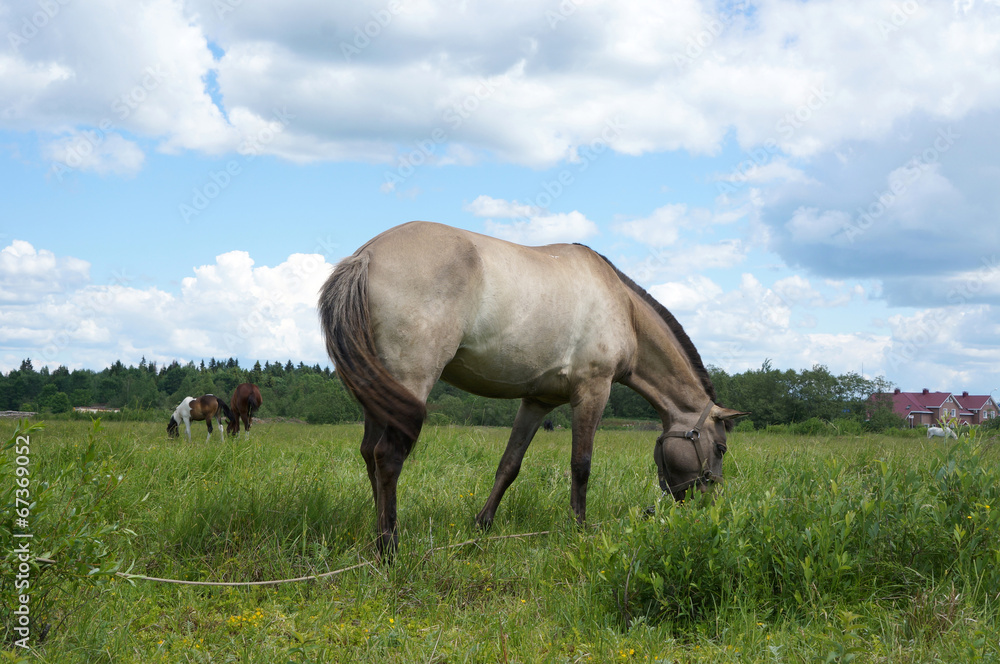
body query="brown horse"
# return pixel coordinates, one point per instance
(246, 399)
(205, 408)
(549, 325)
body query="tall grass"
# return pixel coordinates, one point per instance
(868, 548)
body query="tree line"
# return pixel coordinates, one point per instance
(314, 394)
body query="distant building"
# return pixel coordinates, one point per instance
(980, 407)
(926, 408)
(99, 408)
(17, 413)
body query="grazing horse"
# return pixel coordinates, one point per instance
(945, 433)
(549, 325)
(203, 408)
(246, 399)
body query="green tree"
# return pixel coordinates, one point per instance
(60, 403)
(80, 397)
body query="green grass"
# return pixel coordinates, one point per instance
(722, 582)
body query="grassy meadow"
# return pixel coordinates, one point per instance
(874, 548)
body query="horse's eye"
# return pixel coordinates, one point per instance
(720, 449)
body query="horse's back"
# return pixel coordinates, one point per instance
(494, 317)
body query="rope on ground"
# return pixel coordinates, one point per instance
(311, 577)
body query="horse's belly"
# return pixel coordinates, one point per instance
(492, 376)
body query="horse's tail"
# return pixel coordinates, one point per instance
(346, 323)
(252, 405)
(225, 409)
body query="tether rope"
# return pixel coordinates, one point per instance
(311, 577)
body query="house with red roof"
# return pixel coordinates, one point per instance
(926, 408)
(980, 407)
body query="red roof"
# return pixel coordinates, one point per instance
(973, 401)
(904, 403)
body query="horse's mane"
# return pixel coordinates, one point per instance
(682, 338)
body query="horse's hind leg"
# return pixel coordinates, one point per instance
(390, 451)
(529, 417)
(373, 432)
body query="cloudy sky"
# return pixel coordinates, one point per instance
(804, 181)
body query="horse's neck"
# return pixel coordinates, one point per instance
(662, 373)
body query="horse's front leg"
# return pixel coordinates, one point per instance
(529, 417)
(587, 411)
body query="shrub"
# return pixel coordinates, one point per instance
(849, 426)
(883, 419)
(817, 537)
(812, 427)
(68, 548)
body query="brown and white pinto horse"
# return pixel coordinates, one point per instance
(549, 325)
(204, 408)
(246, 399)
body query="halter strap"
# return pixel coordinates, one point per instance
(693, 435)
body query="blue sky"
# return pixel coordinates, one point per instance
(805, 182)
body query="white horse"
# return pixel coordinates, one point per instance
(205, 408)
(945, 433)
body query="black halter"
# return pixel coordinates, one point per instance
(694, 435)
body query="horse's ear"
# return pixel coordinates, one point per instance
(723, 414)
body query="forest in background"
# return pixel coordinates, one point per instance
(314, 394)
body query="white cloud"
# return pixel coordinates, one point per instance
(228, 309)
(487, 206)
(27, 275)
(364, 79)
(686, 295)
(544, 229)
(531, 225)
(668, 263)
(89, 150)
(661, 228)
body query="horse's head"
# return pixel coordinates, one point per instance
(233, 427)
(690, 452)
(172, 428)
